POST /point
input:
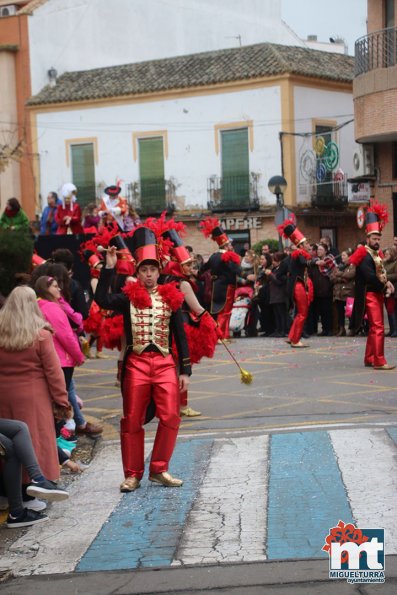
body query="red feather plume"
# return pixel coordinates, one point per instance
(112, 331)
(207, 226)
(290, 221)
(381, 211)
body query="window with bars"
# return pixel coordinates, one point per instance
(83, 172)
(235, 168)
(151, 174)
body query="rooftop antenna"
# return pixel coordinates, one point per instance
(234, 37)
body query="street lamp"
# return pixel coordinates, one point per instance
(277, 185)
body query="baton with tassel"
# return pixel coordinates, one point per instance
(245, 376)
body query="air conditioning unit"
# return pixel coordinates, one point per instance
(8, 11)
(363, 161)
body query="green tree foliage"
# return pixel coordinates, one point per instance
(272, 243)
(16, 249)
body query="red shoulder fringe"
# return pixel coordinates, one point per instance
(358, 256)
(171, 295)
(300, 252)
(230, 256)
(137, 294)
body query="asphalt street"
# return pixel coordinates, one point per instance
(269, 468)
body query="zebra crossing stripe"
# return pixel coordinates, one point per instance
(146, 525)
(228, 519)
(393, 434)
(367, 460)
(306, 495)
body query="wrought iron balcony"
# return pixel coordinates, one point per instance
(152, 196)
(233, 193)
(330, 195)
(376, 50)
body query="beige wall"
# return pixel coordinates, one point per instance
(10, 178)
(376, 18)
(348, 234)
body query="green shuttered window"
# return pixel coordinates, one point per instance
(83, 172)
(151, 173)
(235, 167)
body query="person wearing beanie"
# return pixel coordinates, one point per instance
(299, 286)
(152, 321)
(224, 266)
(372, 287)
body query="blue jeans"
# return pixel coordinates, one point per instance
(77, 415)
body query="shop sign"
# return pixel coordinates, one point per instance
(234, 223)
(358, 192)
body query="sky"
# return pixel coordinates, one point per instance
(327, 18)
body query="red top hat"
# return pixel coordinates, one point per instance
(211, 227)
(125, 262)
(289, 231)
(376, 217)
(144, 246)
(178, 250)
(112, 190)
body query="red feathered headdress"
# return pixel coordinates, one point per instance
(376, 217)
(288, 230)
(211, 227)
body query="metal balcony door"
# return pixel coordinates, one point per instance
(151, 173)
(83, 172)
(235, 168)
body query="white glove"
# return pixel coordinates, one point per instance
(116, 211)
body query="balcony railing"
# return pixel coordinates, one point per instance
(152, 196)
(233, 193)
(330, 195)
(376, 50)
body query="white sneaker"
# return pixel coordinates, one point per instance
(3, 503)
(35, 504)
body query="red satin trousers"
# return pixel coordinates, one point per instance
(149, 375)
(302, 310)
(375, 348)
(223, 318)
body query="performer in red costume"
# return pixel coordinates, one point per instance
(68, 215)
(113, 207)
(200, 327)
(224, 266)
(299, 286)
(152, 319)
(371, 287)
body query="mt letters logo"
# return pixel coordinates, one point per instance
(358, 555)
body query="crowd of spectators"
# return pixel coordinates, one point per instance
(270, 313)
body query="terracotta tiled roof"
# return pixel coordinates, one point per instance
(196, 70)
